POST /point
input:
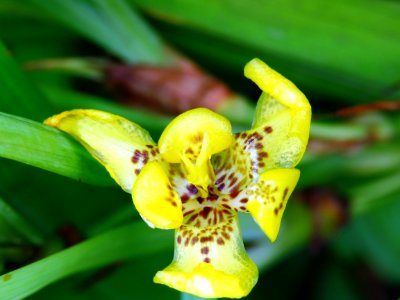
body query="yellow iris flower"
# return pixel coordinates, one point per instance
(200, 175)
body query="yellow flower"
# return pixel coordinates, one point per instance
(200, 175)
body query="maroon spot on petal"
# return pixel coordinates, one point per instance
(188, 212)
(258, 146)
(150, 146)
(137, 171)
(285, 193)
(179, 239)
(204, 250)
(145, 156)
(192, 218)
(226, 206)
(189, 151)
(268, 129)
(195, 240)
(136, 156)
(259, 137)
(205, 212)
(184, 198)
(233, 181)
(226, 235)
(207, 260)
(263, 154)
(200, 200)
(234, 193)
(220, 241)
(244, 200)
(276, 211)
(212, 197)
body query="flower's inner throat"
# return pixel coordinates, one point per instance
(196, 163)
(191, 139)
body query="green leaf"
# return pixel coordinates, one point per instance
(48, 148)
(123, 243)
(14, 219)
(320, 47)
(18, 95)
(369, 195)
(111, 24)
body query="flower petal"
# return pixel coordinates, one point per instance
(155, 199)
(268, 198)
(191, 139)
(282, 122)
(121, 146)
(210, 261)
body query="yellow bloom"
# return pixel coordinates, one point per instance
(200, 175)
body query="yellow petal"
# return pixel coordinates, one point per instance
(210, 262)
(155, 199)
(121, 146)
(191, 139)
(283, 114)
(268, 198)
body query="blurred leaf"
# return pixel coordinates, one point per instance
(126, 242)
(18, 95)
(112, 24)
(51, 202)
(320, 46)
(370, 194)
(295, 232)
(374, 237)
(8, 214)
(335, 279)
(47, 148)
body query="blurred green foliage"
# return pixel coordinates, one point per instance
(78, 236)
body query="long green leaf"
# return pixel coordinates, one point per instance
(47, 148)
(113, 25)
(126, 242)
(347, 49)
(18, 95)
(14, 219)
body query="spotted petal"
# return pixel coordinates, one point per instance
(268, 198)
(123, 147)
(155, 199)
(210, 261)
(280, 132)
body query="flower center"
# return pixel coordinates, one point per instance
(213, 205)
